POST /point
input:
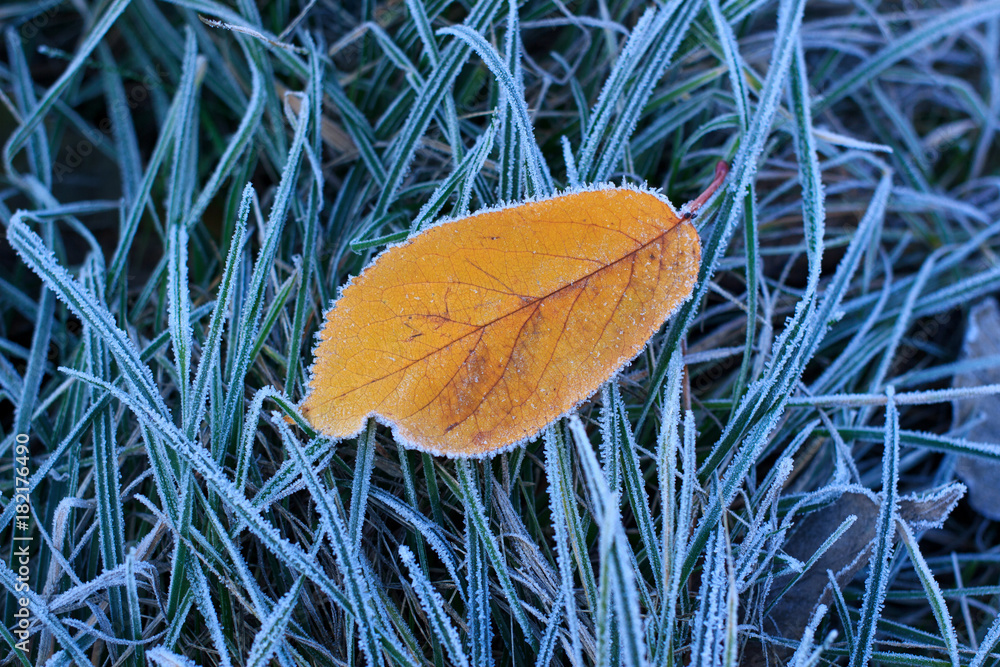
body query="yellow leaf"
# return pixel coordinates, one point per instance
(474, 335)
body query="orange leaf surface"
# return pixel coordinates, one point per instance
(475, 334)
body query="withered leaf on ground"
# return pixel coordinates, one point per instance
(980, 475)
(849, 554)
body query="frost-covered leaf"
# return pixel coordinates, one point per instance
(474, 335)
(852, 513)
(975, 418)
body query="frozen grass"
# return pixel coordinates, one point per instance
(186, 184)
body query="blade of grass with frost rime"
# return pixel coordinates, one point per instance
(421, 529)
(182, 171)
(635, 484)
(249, 324)
(617, 570)
(930, 441)
(834, 536)
(272, 630)
(560, 500)
(211, 348)
(162, 657)
(203, 599)
(179, 310)
(428, 530)
(610, 441)
(741, 99)
(931, 590)
(510, 163)
(433, 606)
(673, 518)
(878, 575)
(40, 164)
(492, 549)
(989, 644)
(134, 610)
(229, 160)
(477, 619)
(107, 486)
(362, 484)
(613, 89)
(40, 339)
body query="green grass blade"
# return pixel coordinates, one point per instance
(885, 528)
